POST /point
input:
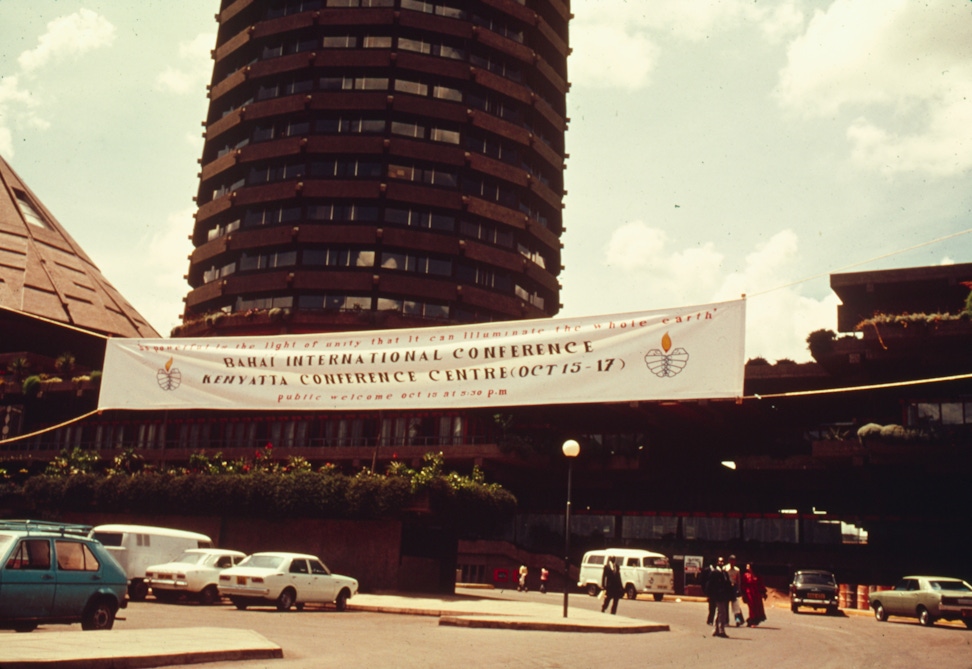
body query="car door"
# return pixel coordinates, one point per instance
(28, 580)
(300, 580)
(325, 585)
(78, 577)
(631, 573)
(901, 602)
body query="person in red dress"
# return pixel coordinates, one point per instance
(753, 593)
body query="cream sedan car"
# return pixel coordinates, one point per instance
(195, 573)
(927, 598)
(285, 580)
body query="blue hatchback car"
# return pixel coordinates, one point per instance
(52, 573)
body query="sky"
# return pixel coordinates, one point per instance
(717, 148)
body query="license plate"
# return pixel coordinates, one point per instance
(816, 595)
(241, 580)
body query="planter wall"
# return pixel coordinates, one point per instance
(369, 551)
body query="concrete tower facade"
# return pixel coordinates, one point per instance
(379, 164)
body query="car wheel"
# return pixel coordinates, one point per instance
(924, 617)
(831, 610)
(209, 595)
(286, 599)
(26, 627)
(592, 590)
(630, 592)
(658, 596)
(794, 607)
(299, 606)
(239, 603)
(968, 623)
(879, 613)
(138, 590)
(100, 615)
(342, 600)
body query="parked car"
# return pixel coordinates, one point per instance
(195, 573)
(53, 573)
(641, 571)
(814, 588)
(927, 598)
(138, 546)
(285, 580)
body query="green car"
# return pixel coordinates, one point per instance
(52, 573)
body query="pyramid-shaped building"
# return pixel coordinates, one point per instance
(52, 296)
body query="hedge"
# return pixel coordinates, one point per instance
(327, 493)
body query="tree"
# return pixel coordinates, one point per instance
(65, 364)
(19, 367)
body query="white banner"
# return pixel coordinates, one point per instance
(686, 353)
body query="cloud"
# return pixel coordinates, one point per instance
(778, 319)
(607, 56)
(196, 67)
(634, 245)
(6, 142)
(779, 22)
(942, 147)
(616, 44)
(10, 91)
(166, 253)
(903, 68)
(778, 323)
(12, 97)
(66, 36)
(160, 255)
(662, 276)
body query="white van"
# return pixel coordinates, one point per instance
(641, 571)
(137, 547)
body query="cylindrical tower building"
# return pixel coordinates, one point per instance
(379, 164)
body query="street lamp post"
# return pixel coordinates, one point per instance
(571, 448)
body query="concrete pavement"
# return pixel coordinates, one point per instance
(131, 649)
(124, 649)
(503, 609)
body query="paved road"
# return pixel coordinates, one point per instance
(322, 638)
(326, 638)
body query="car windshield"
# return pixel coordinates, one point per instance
(190, 557)
(816, 579)
(263, 561)
(942, 584)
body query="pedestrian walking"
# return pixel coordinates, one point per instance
(521, 584)
(612, 585)
(705, 581)
(721, 591)
(733, 572)
(544, 577)
(753, 593)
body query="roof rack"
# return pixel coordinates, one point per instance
(29, 526)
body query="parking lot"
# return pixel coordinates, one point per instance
(321, 636)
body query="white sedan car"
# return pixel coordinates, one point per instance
(195, 573)
(285, 580)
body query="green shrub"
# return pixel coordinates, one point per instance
(217, 487)
(31, 385)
